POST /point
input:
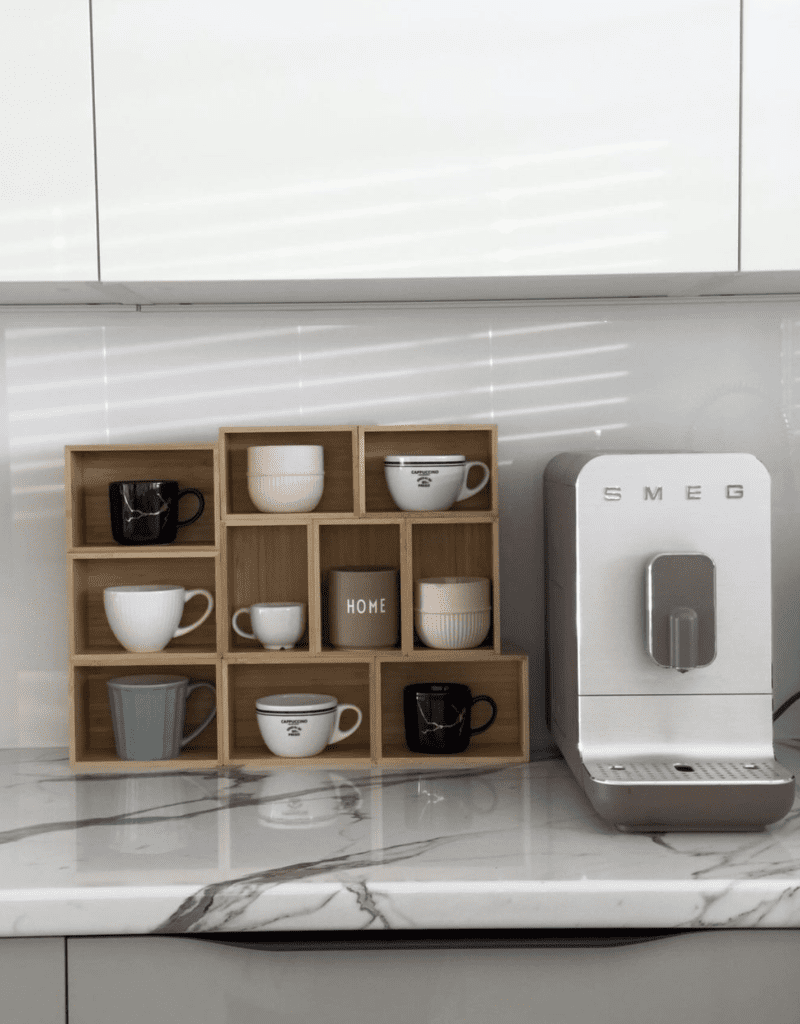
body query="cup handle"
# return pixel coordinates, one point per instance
(189, 689)
(202, 504)
(337, 732)
(483, 728)
(467, 492)
(181, 630)
(241, 632)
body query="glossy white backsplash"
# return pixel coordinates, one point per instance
(660, 374)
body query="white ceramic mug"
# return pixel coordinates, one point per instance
(278, 625)
(430, 483)
(302, 724)
(145, 618)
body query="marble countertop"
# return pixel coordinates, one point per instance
(305, 850)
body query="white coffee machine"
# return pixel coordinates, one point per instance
(659, 633)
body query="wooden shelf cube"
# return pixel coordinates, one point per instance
(267, 563)
(91, 468)
(477, 442)
(457, 547)
(340, 496)
(502, 677)
(90, 715)
(246, 678)
(358, 544)
(90, 632)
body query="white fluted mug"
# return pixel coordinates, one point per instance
(145, 618)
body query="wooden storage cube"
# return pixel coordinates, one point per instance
(503, 678)
(341, 463)
(360, 544)
(245, 681)
(266, 563)
(477, 443)
(91, 633)
(455, 547)
(90, 469)
(90, 718)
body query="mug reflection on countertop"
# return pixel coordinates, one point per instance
(306, 799)
(436, 803)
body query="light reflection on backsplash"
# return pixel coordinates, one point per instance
(554, 376)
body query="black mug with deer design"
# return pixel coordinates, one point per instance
(146, 511)
(438, 717)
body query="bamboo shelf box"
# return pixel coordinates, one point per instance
(244, 557)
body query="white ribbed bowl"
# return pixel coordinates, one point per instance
(452, 594)
(285, 459)
(452, 630)
(297, 493)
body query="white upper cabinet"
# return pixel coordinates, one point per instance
(48, 228)
(771, 135)
(243, 140)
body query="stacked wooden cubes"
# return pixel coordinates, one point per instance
(246, 557)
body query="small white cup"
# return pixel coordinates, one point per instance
(285, 460)
(145, 618)
(302, 724)
(278, 625)
(430, 483)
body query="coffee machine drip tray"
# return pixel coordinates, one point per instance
(690, 795)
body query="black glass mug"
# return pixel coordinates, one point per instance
(146, 511)
(438, 717)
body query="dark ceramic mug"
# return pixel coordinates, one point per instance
(437, 717)
(146, 511)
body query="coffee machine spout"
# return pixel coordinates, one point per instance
(681, 610)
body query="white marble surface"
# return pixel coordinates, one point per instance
(239, 851)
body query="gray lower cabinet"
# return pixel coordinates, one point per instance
(32, 981)
(723, 977)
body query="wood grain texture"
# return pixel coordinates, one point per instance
(498, 677)
(263, 564)
(94, 737)
(90, 469)
(339, 443)
(91, 631)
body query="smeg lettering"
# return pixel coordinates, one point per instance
(692, 492)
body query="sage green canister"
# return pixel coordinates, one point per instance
(148, 714)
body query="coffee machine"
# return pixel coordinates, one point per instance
(659, 637)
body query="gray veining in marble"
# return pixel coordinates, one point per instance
(287, 850)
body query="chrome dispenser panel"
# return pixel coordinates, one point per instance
(681, 611)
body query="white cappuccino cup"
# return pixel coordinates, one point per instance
(430, 483)
(145, 618)
(302, 724)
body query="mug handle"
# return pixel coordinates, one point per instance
(181, 630)
(241, 632)
(337, 732)
(189, 689)
(483, 728)
(467, 492)
(200, 507)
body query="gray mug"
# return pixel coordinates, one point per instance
(148, 714)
